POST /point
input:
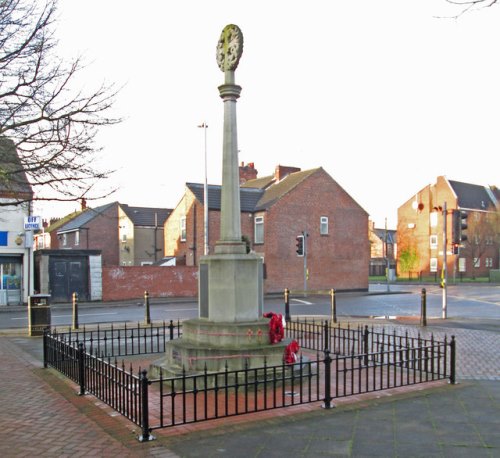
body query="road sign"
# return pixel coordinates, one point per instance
(32, 223)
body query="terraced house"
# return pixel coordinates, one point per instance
(421, 223)
(275, 210)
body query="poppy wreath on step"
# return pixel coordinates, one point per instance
(276, 329)
(291, 351)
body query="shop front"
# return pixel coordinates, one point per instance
(11, 279)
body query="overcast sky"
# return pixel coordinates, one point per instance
(383, 95)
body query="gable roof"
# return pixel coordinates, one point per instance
(277, 190)
(13, 180)
(391, 235)
(471, 196)
(255, 195)
(84, 217)
(146, 216)
(61, 221)
(248, 196)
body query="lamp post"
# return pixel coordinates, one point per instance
(204, 126)
(444, 279)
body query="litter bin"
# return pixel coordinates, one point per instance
(38, 313)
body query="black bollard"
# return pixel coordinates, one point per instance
(423, 308)
(147, 314)
(75, 311)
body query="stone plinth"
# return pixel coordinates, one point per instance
(212, 345)
(233, 288)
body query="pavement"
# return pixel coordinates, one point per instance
(42, 415)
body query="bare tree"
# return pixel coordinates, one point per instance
(468, 5)
(52, 124)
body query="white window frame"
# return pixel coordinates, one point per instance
(258, 231)
(433, 241)
(182, 228)
(433, 219)
(488, 262)
(64, 239)
(77, 238)
(433, 265)
(323, 225)
(476, 263)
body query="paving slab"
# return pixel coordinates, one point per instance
(41, 415)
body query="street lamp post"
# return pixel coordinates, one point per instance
(444, 280)
(204, 126)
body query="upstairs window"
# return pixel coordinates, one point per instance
(259, 229)
(434, 241)
(183, 228)
(77, 238)
(323, 225)
(433, 217)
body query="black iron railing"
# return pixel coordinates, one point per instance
(341, 362)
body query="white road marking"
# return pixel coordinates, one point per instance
(302, 302)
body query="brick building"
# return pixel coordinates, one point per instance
(383, 250)
(275, 209)
(421, 230)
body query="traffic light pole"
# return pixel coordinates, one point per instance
(304, 233)
(445, 268)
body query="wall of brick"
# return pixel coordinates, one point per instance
(415, 231)
(124, 283)
(101, 233)
(338, 260)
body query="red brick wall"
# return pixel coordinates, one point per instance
(338, 260)
(101, 233)
(416, 212)
(123, 283)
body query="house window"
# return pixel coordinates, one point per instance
(488, 262)
(259, 229)
(183, 229)
(477, 262)
(323, 225)
(433, 219)
(64, 239)
(77, 238)
(124, 238)
(434, 265)
(434, 241)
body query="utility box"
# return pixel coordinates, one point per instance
(38, 313)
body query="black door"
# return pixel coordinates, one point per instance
(68, 276)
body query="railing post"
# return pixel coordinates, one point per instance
(423, 308)
(365, 344)
(144, 384)
(81, 368)
(171, 329)
(75, 311)
(334, 305)
(147, 313)
(45, 349)
(326, 339)
(287, 305)
(453, 359)
(328, 377)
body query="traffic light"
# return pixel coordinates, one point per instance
(300, 245)
(463, 225)
(455, 248)
(459, 225)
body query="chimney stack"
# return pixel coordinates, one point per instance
(247, 172)
(282, 171)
